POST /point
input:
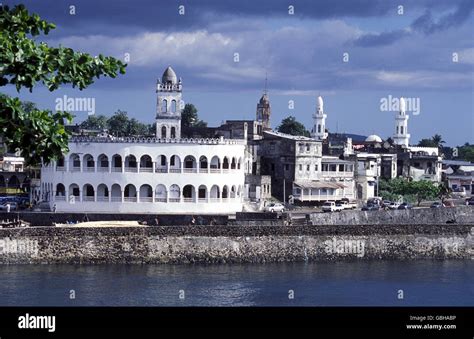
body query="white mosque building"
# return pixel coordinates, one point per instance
(164, 174)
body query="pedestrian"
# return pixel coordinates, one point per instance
(157, 222)
(54, 208)
(193, 221)
(8, 207)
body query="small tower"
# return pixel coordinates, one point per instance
(401, 136)
(319, 128)
(264, 110)
(168, 106)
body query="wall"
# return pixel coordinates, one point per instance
(207, 244)
(461, 214)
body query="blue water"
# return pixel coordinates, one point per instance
(424, 283)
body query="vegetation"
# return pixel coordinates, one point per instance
(291, 126)
(190, 118)
(410, 191)
(40, 134)
(118, 125)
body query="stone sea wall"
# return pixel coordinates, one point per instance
(229, 244)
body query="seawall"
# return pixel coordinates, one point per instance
(227, 244)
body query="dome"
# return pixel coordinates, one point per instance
(403, 105)
(373, 138)
(169, 76)
(264, 99)
(320, 103)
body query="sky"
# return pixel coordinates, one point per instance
(354, 53)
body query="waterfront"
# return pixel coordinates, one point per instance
(356, 283)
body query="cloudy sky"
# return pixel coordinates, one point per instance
(353, 52)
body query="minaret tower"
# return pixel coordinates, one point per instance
(264, 110)
(401, 136)
(319, 118)
(168, 106)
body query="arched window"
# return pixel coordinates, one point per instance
(130, 193)
(116, 193)
(146, 193)
(401, 129)
(163, 132)
(60, 190)
(225, 163)
(202, 192)
(173, 132)
(160, 193)
(89, 164)
(116, 163)
(164, 106)
(102, 193)
(215, 193)
(173, 106)
(189, 193)
(225, 192)
(174, 193)
(88, 192)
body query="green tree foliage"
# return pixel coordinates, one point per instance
(190, 118)
(95, 122)
(435, 141)
(466, 152)
(410, 190)
(118, 125)
(291, 126)
(40, 134)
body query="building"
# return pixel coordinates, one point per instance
(319, 117)
(401, 136)
(164, 174)
(459, 176)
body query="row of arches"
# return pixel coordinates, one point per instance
(146, 163)
(147, 193)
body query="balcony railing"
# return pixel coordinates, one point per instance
(190, 170)
(161, 170)
(60, 168)
(188, 200)
(75, 169)
(175, 170)
(88, 198)
(116, 199)
(102, 169)
(103, 199)
(160, 199)
(130, 199)
(322, 197)
(131, 169)
(174, 199)
(60, 198)
(146, 170)
(116, 169)
(146, 199)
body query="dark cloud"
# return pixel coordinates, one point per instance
(425, 24)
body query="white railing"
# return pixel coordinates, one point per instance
(202, 200)
(174, 199)
(161, 170)
(331, 174)
(116, 199)
(116, 169)
(60, 198)
(146, 140)
(75, 169)
(87, 198)
(146, 169)
(160, 199)
(190, 170)
(88, 169)
(322, 197)
(102, 169)
(60, 168)
(130, 199)
(146, 199)
(188, 199)
(214, 200)
(203, 170)
(175, 170)
(215, 170)
(131, 169)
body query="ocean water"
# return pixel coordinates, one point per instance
(359, 283)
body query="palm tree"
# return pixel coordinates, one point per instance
(438, 140)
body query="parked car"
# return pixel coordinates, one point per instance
(405, 206)
(346, 205)
(371, 207)
(470, 201)
(459, 192)
(13, 206)
(331, 206)
(274, 207)
(436, 204)
(386, 203)
(393, 205)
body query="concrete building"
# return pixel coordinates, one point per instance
(164, 174)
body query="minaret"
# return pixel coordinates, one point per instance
(168, 106)
(319, 128)
(264, 110)
(401, 136)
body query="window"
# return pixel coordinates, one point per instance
(301, 167)
(163, 132)
(287, 167)
(308, 147)
(325, 167)
(332, 167)
(273, 167)
(307, 168)
(341, 168)
(316, 167)
(401, 129)
(173, 106)
(172, 160)
(173, 132)
(164, 106)
(319, 128)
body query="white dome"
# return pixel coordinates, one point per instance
(320, 103)
(169, 76)
(403, 105)
(373, 138)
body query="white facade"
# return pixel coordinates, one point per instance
(148, 176)
(319, 118)
(401, 136)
